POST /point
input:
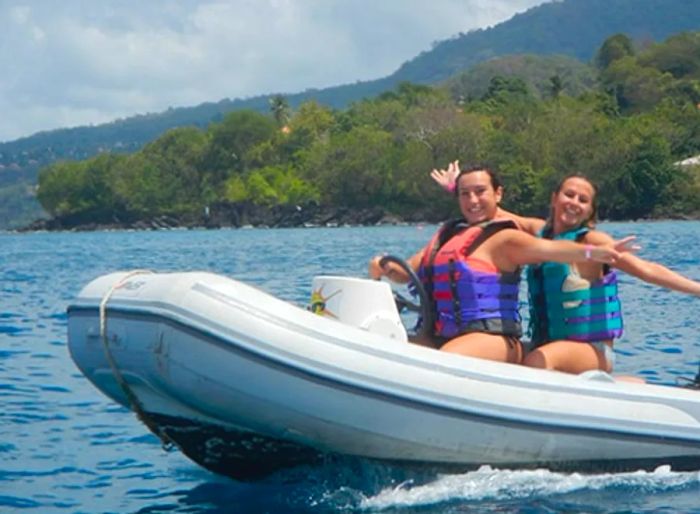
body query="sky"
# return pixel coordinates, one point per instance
(84, 62)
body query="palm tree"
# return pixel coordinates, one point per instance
(556, 86)
(279, 107)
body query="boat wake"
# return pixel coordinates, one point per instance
(488, 485)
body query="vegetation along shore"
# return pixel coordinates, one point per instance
(624, 121)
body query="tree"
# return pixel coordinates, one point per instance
(312, 122)
(279, 107)
(278, 185)
(614, 48)
(231, 140)
(636, 88)
(635, 189)
(426, 124)
(556, 86)
(354, 168)
(510, 99)
(501, 88)
(81, 189)
(679, 55)
(166, 176)
(409, 94)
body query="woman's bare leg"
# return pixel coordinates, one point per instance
(567, 356)
(486, 346)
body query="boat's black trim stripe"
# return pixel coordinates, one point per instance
(238, 454)
(393, 398)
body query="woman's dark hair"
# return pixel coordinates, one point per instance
(472, 168)
(591, 221)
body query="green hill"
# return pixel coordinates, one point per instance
(535, 70)
(623, 120)
(569, 27)
(573, 28)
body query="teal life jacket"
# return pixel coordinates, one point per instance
(590, 314)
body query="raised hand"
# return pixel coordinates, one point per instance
(625, 245)
(604, 254)
(446, 178)
(609, 254)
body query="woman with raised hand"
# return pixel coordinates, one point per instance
(471, 270)
(575, 312)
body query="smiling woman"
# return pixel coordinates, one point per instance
(471, 270)
(575, 312)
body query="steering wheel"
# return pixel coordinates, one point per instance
(423, 307)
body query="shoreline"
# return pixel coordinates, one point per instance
(247, 215)
(239, 216)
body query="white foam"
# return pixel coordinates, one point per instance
(493, 484)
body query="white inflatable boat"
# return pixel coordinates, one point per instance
(245, 384)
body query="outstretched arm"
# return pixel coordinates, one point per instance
(530, 225)
(520, 248)
(648, 271)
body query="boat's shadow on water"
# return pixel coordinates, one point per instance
(337, 485)
(356, 485)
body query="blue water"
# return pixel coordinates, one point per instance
(65, 448)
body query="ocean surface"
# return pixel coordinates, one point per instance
(65, 448)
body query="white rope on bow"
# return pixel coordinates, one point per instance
(134, 402)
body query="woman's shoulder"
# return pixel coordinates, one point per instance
(524, 223)
(534, 225)
(597, 237)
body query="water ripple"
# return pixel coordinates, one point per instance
(65, 447)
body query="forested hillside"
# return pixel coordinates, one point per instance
(571, 27)
(536, 71)
(568, 27)
(625, 133)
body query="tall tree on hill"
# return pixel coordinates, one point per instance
(279, 107)
(614, 48)
(556, 86)
(232, 139)
(679, 55)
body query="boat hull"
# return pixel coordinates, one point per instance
(246, 384)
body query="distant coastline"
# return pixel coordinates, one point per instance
(247, 214)
(240, 215)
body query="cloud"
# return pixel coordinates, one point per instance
(80, 62)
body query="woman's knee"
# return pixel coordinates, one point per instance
(535, 359)
(488, 347)
(569, 357)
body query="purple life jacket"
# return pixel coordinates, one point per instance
(469, 295)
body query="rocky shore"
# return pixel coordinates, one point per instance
(238, 215)
(246, 214)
